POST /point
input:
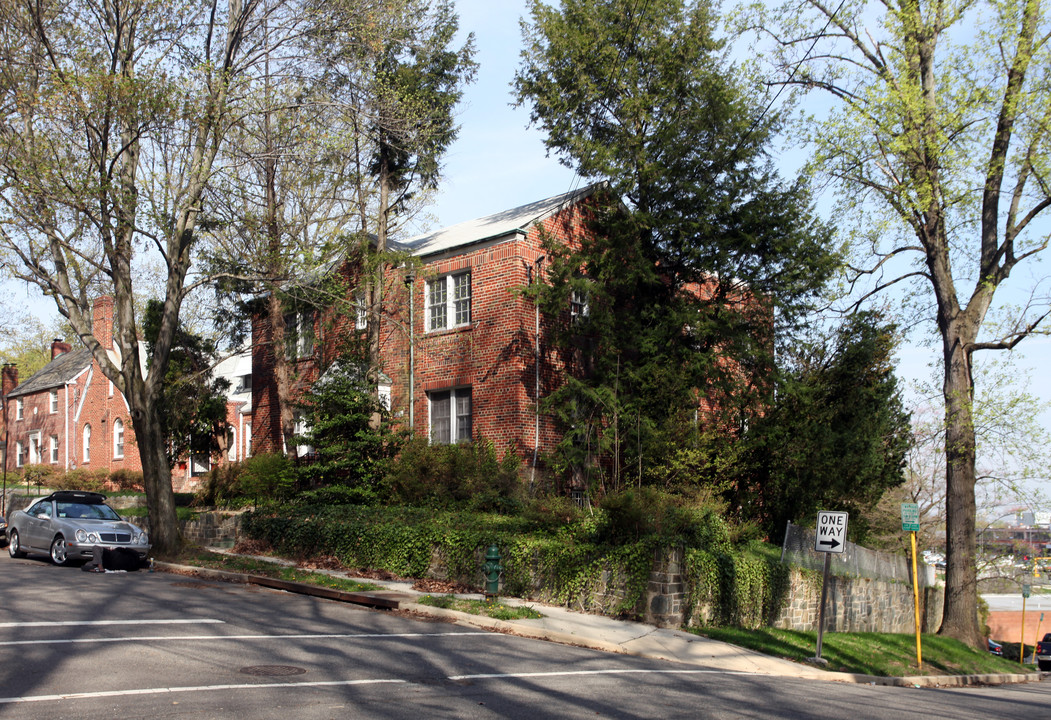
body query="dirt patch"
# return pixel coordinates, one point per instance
(443, 587)
(325, 562)
(251, 547)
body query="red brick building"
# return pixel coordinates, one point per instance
(460, 348)
(69, 415)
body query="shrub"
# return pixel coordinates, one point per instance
(40, 475)
(81, 479)
(632, 515)
(266, 476)
(468, 475)
(337, 495)
(126, 479)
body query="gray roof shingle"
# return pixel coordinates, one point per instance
(56, 373)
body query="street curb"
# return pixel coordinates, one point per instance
(401, 601)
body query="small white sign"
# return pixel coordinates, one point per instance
(831, 531)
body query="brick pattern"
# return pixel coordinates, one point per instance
(495, 355)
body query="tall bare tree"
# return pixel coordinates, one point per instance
(114, 112)
(938, 137)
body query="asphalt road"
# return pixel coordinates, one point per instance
(153, 645)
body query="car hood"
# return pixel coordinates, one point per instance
(114, 525)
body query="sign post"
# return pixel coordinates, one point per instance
(831, 538)
(1025, 596)
(910, 523)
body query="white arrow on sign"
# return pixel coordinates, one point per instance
(831, 531)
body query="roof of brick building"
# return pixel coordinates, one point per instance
(56, 373)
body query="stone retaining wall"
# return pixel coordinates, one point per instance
(858, 605)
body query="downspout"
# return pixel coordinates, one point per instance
(410, 284)
(66, 388)
(536, 394)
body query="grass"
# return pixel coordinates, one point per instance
(251, 566)
(883, 654)
(494, 610)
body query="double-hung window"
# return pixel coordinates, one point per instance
(54, 449)
(578, 305)
(449, 301)
(299, 335)
(53, 402)
(20, 409)
(118, 438)
(450, 416)
(361, 311)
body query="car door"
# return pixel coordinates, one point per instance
(38, 525)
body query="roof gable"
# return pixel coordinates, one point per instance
(56, 373)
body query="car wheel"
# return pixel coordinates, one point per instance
(13, 548)
(59, 554)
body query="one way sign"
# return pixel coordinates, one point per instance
(831, 532)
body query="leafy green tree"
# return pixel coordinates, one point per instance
(27, 343)
(938, 139)
(698, 248)
(348, 429)
(193, 402)
(836, 434)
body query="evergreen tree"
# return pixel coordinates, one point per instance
(698, 247)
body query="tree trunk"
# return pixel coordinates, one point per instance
(960, 611)
(282, 373)
(157, 478)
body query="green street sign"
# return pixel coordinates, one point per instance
(910, 517)
(1025, 591)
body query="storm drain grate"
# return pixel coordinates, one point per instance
(272, 670)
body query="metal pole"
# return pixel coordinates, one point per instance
(821, 610)
(916, 601)
(1021, 651)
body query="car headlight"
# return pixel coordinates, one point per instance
(82, 536)
(143, 540)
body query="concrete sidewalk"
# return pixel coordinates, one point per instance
(598, 632)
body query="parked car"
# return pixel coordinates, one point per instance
(1043, 653)
(994, 647)
(69, 525)
(3, 530)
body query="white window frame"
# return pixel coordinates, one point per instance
(247, 438)
(579, 304)
(449, 301)
(20, 409)
(86, 452)
(53, 402)
(361, 311)
(118, 439)
(302, 345)
(231, 450)
(54, 449)
(20, 454)
(458, 424)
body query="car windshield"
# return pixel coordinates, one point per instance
(82, 510)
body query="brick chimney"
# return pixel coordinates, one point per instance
(10, 381)
(58, 348)
(102, 321)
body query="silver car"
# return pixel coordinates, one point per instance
(69, 525)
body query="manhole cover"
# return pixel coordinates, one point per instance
(272, 670)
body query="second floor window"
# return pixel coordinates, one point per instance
(20, 409)
(53, 402)
(449, 301)
(299, 335)
(361, 311)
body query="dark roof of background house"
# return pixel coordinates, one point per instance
(57, 372)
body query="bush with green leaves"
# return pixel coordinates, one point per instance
(466, 475)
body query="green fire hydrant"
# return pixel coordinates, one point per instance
(492, 568)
